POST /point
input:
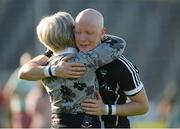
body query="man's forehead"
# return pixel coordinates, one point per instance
(90, 21)
(89, 24)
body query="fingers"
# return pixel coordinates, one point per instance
(74, 66)
(74, 74)
(77, 65)
(91, 101)
(89, 108)
(77, 68)
(88, 105)
(69, 70)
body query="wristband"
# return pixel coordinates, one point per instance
(46, 71)
(110, 109)
(48, 53)
(53, 70)
(106, 110)
(50, 72)
(113, 109)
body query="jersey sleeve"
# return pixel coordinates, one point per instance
(111, 49)
(130, 80)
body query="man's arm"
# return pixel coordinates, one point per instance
(129, 81)
(34, 69)
(137, 106)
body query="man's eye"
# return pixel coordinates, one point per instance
(89, 33)
(77, 32)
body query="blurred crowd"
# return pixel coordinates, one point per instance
(164, 112)
(24, 104)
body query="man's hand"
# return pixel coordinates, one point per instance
(69, 70)
(93, 106)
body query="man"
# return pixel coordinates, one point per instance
(118, 80)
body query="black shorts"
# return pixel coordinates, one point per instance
(112, 122)
(64, 120)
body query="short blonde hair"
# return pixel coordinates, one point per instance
(56, 31)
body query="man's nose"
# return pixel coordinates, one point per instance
(82, 37)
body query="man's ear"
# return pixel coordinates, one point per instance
(103, 31)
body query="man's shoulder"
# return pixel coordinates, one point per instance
(122, 64)
(119, 62)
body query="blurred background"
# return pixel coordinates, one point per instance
(151, 29)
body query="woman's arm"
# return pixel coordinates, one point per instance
(109, 50)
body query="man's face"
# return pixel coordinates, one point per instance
(88, 35)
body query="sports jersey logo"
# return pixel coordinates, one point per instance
(103, 72)
(106, 87)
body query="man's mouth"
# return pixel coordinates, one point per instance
(83, 45)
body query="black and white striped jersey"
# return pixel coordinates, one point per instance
(117, 80)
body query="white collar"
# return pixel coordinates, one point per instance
(68, 50)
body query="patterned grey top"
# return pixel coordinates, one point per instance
(66, 95)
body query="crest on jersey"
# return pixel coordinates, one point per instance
(103, 72)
